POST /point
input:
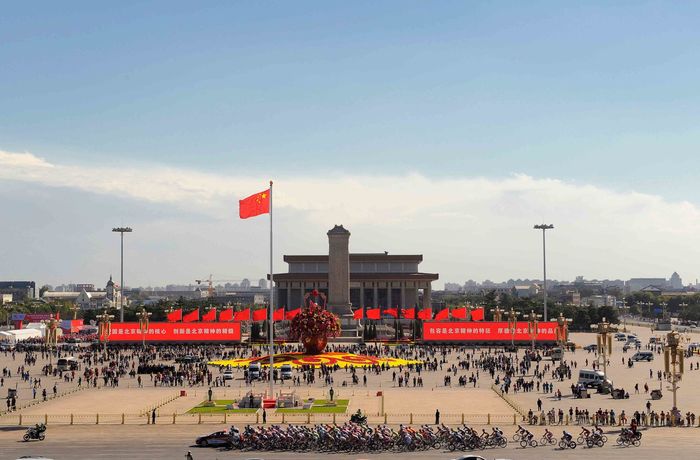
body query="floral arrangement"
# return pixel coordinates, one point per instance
(314, 322)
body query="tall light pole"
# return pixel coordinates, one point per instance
(121, 231)
(604, 342)
(544, 228)
(673, 365)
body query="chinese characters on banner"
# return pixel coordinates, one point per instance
(486, 331)
(176, 332)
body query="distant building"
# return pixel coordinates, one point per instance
(88, 300)
(20, 290)
(675, 282)
(262, 283)
(526, 291)
(637, 284)
(600, 301)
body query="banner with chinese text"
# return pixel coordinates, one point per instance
(176, 332)
(469, 331)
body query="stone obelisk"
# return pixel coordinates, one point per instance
(339, 279)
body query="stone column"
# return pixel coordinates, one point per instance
(403, 295)
(426, 296)
(339, 270)
(375, 300)
(388, 295)
(289, 295)
(362, 295)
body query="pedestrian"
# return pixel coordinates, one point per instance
(437, 416)
(153, 417)
(189, 456)
(539, 405)
(264, 416)
(331, 393)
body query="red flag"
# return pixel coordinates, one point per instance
(478, 314)
(210, 316)
(409, 313)
(292, 313)
(260, 315)
(191, 317)
(254, 205)
(243, 315)
(226, 315)
(175, 315)
(373, 313)
(459, 313)
(358, 314)
(443, 314)
(278, 315)
(426, 313)
(391, 312)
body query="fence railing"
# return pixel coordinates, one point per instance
(40, 399)
(151, 407)
(510, 401)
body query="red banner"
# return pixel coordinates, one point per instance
(176, 332)
(451, 331)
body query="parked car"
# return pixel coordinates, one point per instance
(591, 347)
(220, 438)
(286, 371)
(228, 374)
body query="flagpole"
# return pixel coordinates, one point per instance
(272, 301)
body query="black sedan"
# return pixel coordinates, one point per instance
(218, 439)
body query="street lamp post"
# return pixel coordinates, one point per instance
(512, 325)
(51, 338)
(562, 335)
(121, 231)
(532, 322)
(544, 228)
(673, 365)
(105, 326)
(604, 342)
(143, 323)
(497, 314)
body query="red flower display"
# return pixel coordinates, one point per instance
(313, 327)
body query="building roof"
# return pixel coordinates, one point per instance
(338, 230)
(358, 257)
(356, 276)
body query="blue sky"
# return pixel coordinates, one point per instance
(599, 94)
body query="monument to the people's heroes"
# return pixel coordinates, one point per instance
(339, 281)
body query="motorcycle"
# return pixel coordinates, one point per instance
(358, 418)
(35, 432)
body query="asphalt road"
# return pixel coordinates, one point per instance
(173, 442)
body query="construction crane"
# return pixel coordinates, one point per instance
(210, 284)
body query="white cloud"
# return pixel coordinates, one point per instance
(466, 228)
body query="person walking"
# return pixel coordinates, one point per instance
(188, 456)
(437, 416)
(539, 405)
(264, 416)
(153, 417)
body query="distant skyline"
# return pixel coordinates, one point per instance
(444, 128)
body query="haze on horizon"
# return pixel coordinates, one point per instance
(444, 129)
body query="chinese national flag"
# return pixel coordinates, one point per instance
(243, 315)
(478, 314)
(191, 317)
(459, 313)
(292, 313)
(409, 313)
(278, 315)
(254, 205)
(226, 315)
(260, 315)
(443, 314)
(426, 313)
(391, 312)
(357, 314)
(373, 313)
(210, 316)
(175, 315)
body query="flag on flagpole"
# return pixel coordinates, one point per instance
(292, 313)
(260, 315)
(425, 313)
(391, 312)
(373, 313)
(175, 315)
(210, 316)
(478, 314)
(226, 315)
(443, 314)
(243, 315)
(409, 313)
(191, 317)
(254, 205)
(459, 313)
(278, 315)
(358, 314)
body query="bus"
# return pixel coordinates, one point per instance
(68, 364)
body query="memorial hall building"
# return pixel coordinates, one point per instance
(369, 279)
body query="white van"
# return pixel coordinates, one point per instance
(286, 371)
(643, 356)
(254, 371)
(592, 379)
(557, 354)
